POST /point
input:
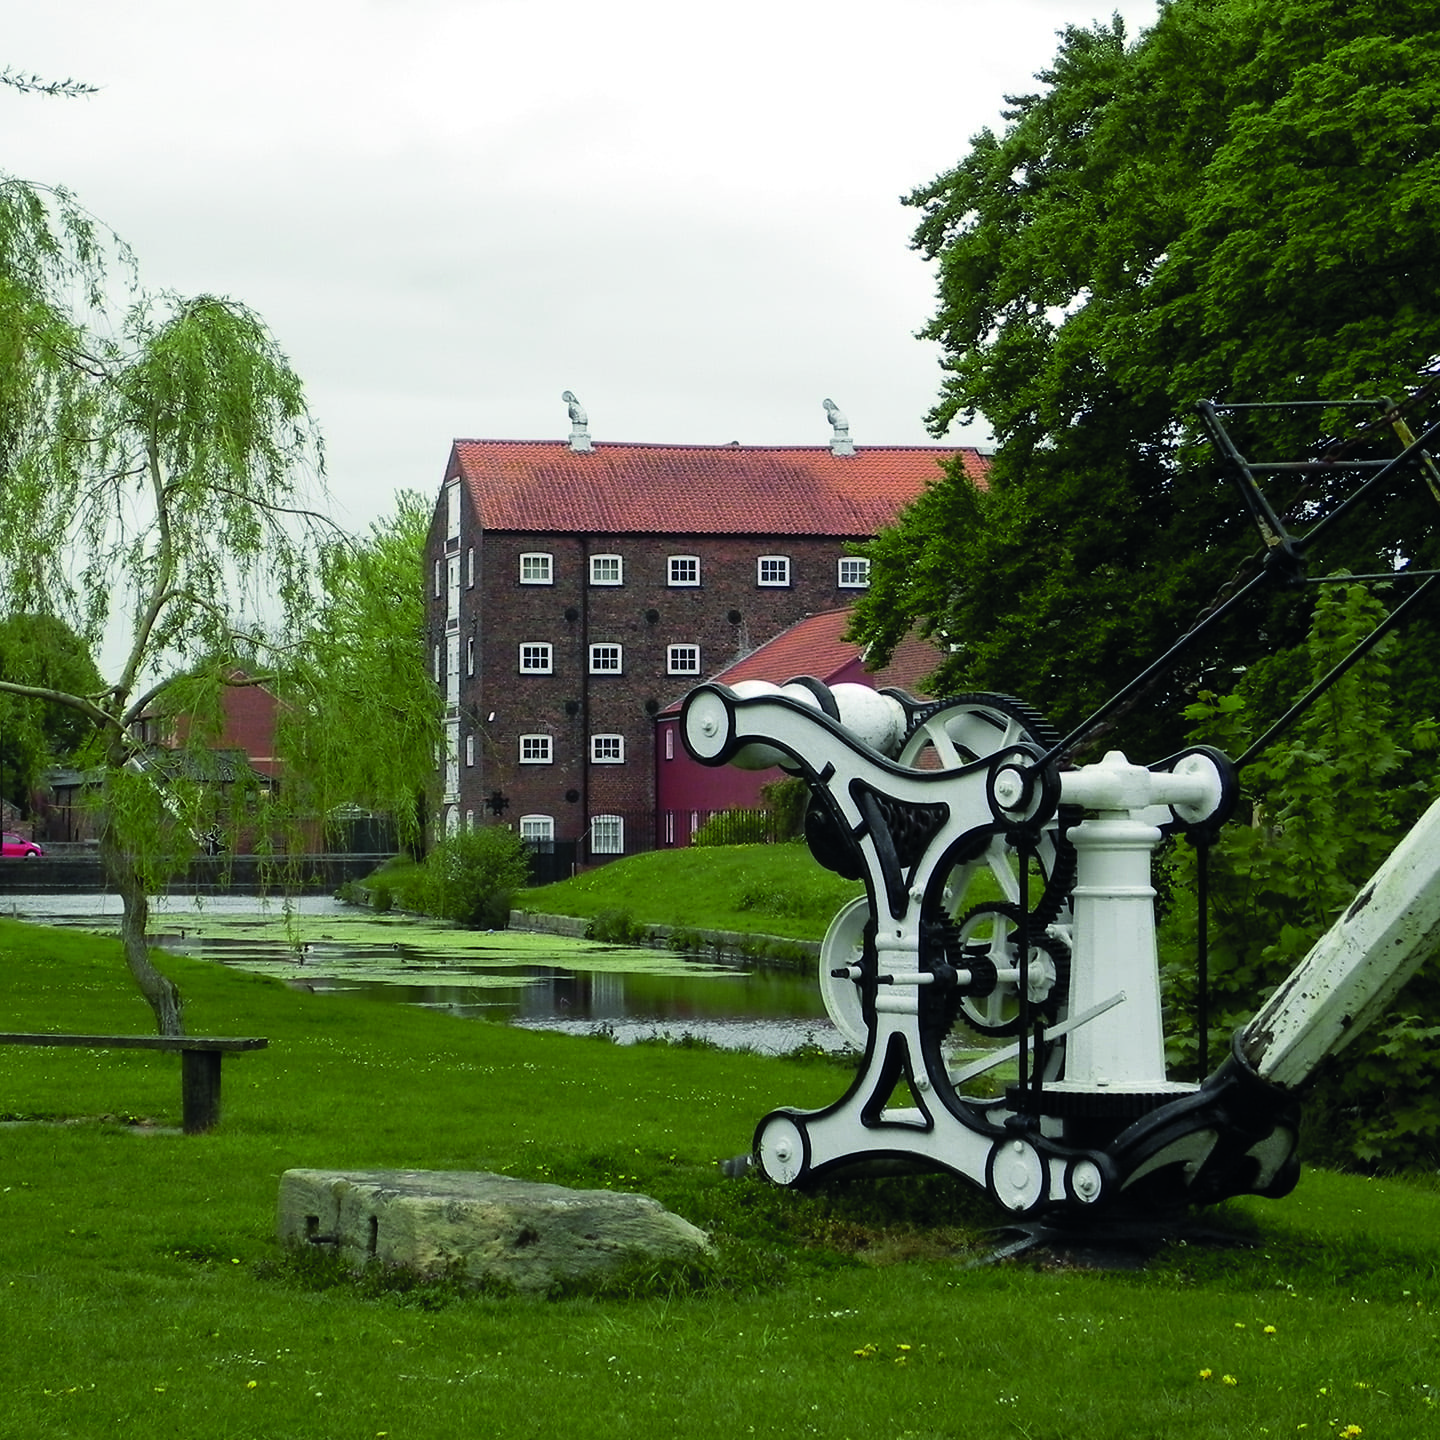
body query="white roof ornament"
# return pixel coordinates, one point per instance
(840, 442)
(579, 425)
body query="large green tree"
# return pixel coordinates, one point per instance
(1238, 206)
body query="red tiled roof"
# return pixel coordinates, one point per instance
(813, 646)
(544, 486)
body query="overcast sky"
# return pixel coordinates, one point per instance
(449, 211)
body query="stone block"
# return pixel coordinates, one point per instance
(487, 1227)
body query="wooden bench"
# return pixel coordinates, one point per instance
(200, 1058)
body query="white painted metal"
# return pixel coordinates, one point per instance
(1355, 969)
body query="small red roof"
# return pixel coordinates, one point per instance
(544, 486)
(813, 646)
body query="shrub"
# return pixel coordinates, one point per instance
(615, 927)
(472, 878)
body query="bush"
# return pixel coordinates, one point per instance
(616, 927)
(472, 878)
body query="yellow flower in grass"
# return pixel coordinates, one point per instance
(1269, 1329)
(1206, 1374)
(1350, 1432)
(1229, 1380)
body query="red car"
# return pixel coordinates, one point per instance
(19, 845)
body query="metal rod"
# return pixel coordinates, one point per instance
(1418, 447)
(1202, 955)
(1144, 677)
(1380, 577)
(1363, 648)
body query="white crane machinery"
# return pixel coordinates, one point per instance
(1009, 892)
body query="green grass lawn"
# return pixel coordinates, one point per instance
(144, 1295)
(756, 889)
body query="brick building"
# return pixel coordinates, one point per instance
(575, 590)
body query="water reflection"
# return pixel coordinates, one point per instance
(542, 982)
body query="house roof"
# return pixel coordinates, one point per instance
(544, 486)
(813, 646)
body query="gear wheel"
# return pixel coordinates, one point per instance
(959, 731)
(984, 943)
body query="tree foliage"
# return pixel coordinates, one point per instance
(1324, 806)
(361, 672)
(44, 653)
(1240, 205)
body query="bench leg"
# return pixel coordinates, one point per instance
(200, 1089)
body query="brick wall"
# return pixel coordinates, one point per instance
(726, 615)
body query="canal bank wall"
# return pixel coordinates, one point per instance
(774, 950)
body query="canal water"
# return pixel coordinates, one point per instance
(544, 982)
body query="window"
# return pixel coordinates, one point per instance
(437, 664)
(537, 568)
(682, 660)
(539, 830)
(439, 579)
(605, 659)
(469, 654)
(470, 568)
(469, 749)
(535, 750)
(452, 509)
(854, 572)
(684, 569)
(773, 570)
(669, 742)
(607, 749)
(469, 821)
(607, 835)
(607, 570)
(536, 659)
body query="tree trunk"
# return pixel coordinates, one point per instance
(161, 993)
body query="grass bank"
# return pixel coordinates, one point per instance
(751, 889)
(144, 1295)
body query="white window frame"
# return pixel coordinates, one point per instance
(599, 563)
(439, 578)
(779, 577)
(601, 651)
(452, 509)
(470, 749)
(537, 749)
(859, 572)
(675, 655)
(607, 835)
(536, 657)
(469, 654)
(607, 749)
(537, 567)
(538, 828)
(470, 568)
(682, 570)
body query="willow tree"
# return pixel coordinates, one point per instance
(362, 719)
(159, 478)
